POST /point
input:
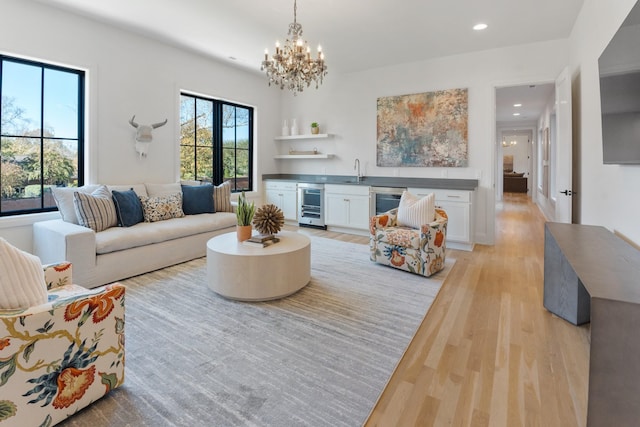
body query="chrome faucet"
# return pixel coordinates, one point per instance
(356, 166)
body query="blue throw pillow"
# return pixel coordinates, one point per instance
(128, 207)
(197, 199)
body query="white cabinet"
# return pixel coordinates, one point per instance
(284, 195)
(347, 206)
(458, 204)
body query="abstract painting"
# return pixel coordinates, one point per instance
(423, 129)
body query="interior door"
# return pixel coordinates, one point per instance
(564, 148)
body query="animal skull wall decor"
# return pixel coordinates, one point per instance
(144, 135)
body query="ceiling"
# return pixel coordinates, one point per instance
(355, 35)
(534, 99)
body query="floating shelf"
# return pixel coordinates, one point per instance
(303, 156)
(309, 136)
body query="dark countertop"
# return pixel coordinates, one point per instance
(379, 181)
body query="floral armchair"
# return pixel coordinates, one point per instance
(417, 251)
(57, 358)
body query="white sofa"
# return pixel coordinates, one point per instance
(120, 252)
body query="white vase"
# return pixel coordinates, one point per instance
(294, 127)
(285, 128)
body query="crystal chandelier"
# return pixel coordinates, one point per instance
(292, 66)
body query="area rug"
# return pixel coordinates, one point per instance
(320, 357)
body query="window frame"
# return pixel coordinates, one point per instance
(80, 139)
(217, 144)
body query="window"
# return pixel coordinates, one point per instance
(216, 142)
(41, 133)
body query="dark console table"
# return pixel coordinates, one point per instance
(592, 275)
(515, 184)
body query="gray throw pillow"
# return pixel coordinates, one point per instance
(197, 199)
(128, 207)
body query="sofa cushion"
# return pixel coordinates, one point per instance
(64, 200)
(197, 199)
(96, 210)
(160, 208)
(128, 207)
(145, 233)
(222, 197)
(155, 190)
(414, 211)
(22, 282)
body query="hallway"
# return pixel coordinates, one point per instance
(488, 353)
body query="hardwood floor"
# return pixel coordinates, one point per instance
(488, 353)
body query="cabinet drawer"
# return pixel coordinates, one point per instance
(280, 185)
(444, 195)
(355, 190)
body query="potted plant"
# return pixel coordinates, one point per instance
(244, 216)
(315, 128)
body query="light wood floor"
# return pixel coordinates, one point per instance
(488, 353)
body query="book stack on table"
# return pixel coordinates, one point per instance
(261, 240)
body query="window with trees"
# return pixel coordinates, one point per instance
(216, 142)
(41, 133)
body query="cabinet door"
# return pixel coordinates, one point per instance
(272, 197)
(336, 211)
(289, 204)
(346, 210)
(358, 212)
(286, 200)
(458, 227)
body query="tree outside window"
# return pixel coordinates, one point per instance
(41, 133)
(216, 142)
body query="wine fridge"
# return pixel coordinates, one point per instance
(311, 205)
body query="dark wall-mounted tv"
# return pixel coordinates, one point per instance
(619, 67)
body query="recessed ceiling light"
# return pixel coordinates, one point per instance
(517, 105)
(479, 27)
(516, 114)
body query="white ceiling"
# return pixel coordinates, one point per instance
(355, 34)
(534, 98)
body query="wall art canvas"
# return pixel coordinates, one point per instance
(423, 129)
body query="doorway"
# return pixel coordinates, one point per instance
(520, 110)
(517, 163)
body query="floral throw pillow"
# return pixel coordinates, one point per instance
(160, 208)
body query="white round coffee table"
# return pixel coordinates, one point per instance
(248, 273)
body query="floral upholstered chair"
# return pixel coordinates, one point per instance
(60, 356)
(419, 251)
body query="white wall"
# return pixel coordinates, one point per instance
(346, 106)
(128, 74)
(607, 194)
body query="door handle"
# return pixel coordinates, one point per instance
(569, 192)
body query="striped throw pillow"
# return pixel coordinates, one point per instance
(96, 210)
(222, 197)
(414, 211)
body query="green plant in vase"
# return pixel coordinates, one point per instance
(315, 128)
(244, 216)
